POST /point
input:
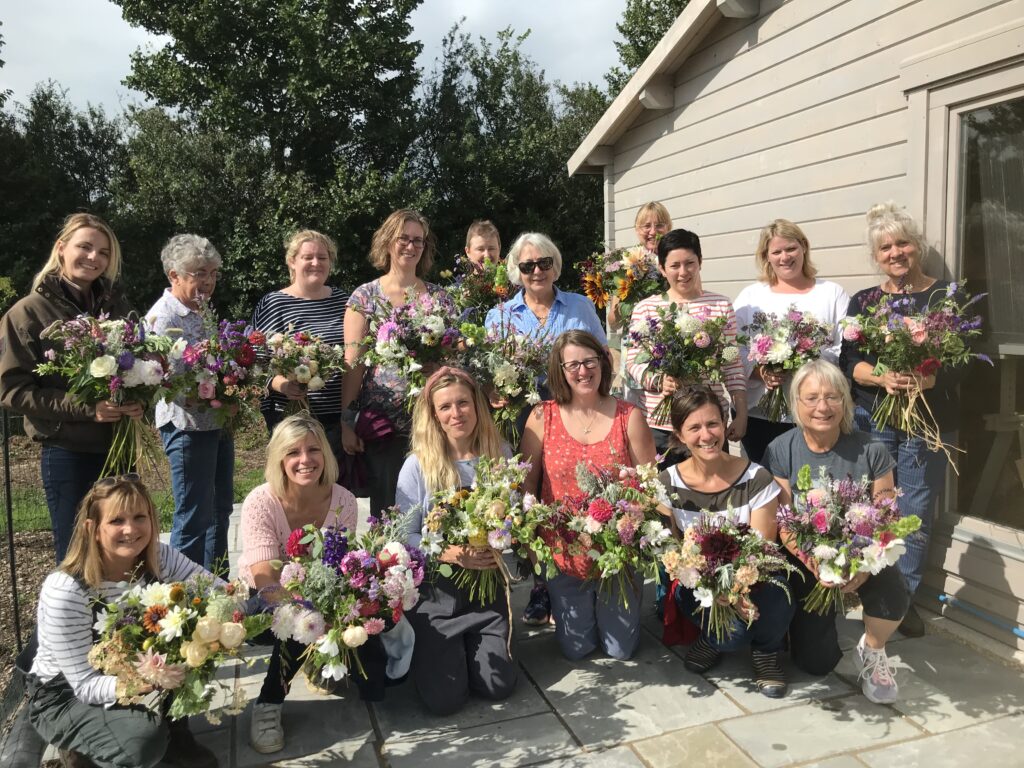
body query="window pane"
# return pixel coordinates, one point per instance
(991, 234)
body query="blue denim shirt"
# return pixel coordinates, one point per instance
(570, 311)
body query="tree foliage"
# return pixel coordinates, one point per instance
(644, 23)
(5, 93)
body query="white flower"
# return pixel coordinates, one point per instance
(687, 323)
(309, 626)
(173, 624)
(413, 366)
(283, 626)
(334, 670)
(533, 398)
(779, 352)
(316, 383)
(178, 349)
(101, 621)
(434, 324)
(103, 367)
(327, 645)
(704, 596)
(302, 374)
(592, 525)
(730, 353)
(827, 574)
(505, 375)
(824, 553)
(152, 373)
(876, 558)
(353, 637)
(688, 577)
(231, 634)
(397, 551)
(156, 593)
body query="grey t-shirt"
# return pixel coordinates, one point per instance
(856, 454)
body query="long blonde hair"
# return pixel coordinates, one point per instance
(72, 223)
(429, 442)
(124, 494)
(288, 433)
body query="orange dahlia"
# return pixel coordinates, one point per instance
(152, 616)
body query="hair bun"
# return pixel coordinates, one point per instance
(883, 210)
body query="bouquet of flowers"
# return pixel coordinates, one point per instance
(341, 595)
(304, 359)
(482, 517)
(173, 637)
(424, 330)
(904, 339)
(720, 559)
(784, 344)
(509, 365)
(845, 531)
(221, 372)
(116, 360)
(476, 289)
(685, 343)
(629, 274)
(614, 523)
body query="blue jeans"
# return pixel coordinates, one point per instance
(587, 618)
(67, 477)
(920, 474)
(202, 479)
(775, 610)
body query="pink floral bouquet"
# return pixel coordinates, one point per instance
(611, 532)
(339, 596)
(721, 560)
(304, 359)
(783, 344)
(686, 343)
(173, 637)
(116, 360)
(840, 529)
(906, 340)
(422, 332)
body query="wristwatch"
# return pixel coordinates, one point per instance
(348, 416)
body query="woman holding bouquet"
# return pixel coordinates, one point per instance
(300, 490)
(307, 304)
(71, 704)
(201, 453)
(462, 646)
(825, 438)
(679, 261)
(584, 423)
(403, 247)
(710, 480)
(897, 248)
(651, 223)
(787, 280)
(78, 278)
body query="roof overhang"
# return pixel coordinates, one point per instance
(653, 84)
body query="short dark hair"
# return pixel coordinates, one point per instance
(676, 239)
(559, 387)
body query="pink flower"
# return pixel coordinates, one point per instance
(817, 497)
(702, 339)
(154, 669)
(852, 332)
(387, 331)
(207, 390)
(918, 333)
(374, 626)
(762, 344)
(601, 510)
(820, 521)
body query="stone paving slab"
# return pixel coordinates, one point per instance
(996, 744)
(843, 761)
(617, 757)
(519, 742)
(734, 677)
(704, 745)
(607, 702)
(820, 729)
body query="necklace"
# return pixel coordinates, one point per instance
(590, 426)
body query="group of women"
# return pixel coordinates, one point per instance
(452, 645)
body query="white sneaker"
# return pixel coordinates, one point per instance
(877, 674)
(265, 732)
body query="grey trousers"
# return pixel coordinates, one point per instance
(114, 737)
(587, 617)
(460, 647)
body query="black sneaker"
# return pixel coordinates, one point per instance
(702, 656)
(538, 610)
(768, 674)
(183, 749)
(912, 624)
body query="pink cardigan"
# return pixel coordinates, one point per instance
(265, 528)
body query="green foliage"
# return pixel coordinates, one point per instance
(5, 93)
(644, 23)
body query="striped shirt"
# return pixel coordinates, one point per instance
(64, 622)
(753, 489)
(717, 305)
(324, 318)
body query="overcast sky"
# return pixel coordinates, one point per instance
(85, 45)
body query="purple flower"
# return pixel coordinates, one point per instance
(125, 360)
(50, 354)
(335, 547)
(114, 384)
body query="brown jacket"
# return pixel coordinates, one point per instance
(52, 415)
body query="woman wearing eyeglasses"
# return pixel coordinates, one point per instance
(403, 247)
(540, 309)
(201, 453)
(584, 423)
(826, 439)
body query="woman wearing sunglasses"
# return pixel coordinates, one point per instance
(584, 423)
(540, 309)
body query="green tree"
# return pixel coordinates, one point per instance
(315, 80)
(644, 23)
(5, 93)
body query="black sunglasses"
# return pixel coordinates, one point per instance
(527, 267)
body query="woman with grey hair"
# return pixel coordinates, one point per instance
(825, 439)
(540, 309)
(201, 454)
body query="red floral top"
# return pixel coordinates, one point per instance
(560, 455)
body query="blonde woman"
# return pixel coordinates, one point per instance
(80, 277)
(300, 490)
(651, 224)
(71, 704)
(461, 646)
